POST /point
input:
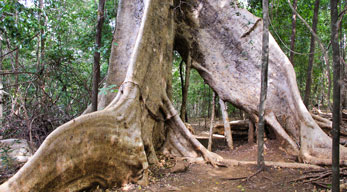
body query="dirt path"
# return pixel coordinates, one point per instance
(206, 178)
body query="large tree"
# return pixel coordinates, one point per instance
(116, 144)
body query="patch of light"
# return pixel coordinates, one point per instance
(27, 3)
(243, 2)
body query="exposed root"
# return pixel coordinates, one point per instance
(271, 119)
(103, 147)
(322, 122)
(175, 122)
(233, 162)
(326, 123)
(307, 158)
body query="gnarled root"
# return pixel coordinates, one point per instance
(103, 148)
(180, 130)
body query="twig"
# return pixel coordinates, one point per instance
(247, 177)
(15, 72)
(320, 184)
(251, 29)
(340, 17)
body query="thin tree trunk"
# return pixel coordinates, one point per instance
(181, 76)
(210, 140)
(263, 92)
(182, 86)
(336, 98)
(250, 132)
(292, 38)
(40, 52)
(343, 64)
(15, 88)
(96, 66)
(38, 38)
(323, 49)
(185, 90)
(1, 88)
(311, 57)
(209, 102)
(227, 130)
(323, 87)
(42, 33)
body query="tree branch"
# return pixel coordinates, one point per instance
(15, 49)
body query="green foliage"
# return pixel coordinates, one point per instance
(280, 27)
(199, 93)
(5, 160)
(50, 95)
(108, 89)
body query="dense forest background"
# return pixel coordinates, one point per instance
(46, 60)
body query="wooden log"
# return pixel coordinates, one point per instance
(238, 125)
(326, 124)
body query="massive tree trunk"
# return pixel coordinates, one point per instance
(115, 145)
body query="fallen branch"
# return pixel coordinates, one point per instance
(315, 176)
(233, 162)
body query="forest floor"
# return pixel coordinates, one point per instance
(203, 177)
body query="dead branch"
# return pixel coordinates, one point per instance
(233, 162)
(315, 177)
